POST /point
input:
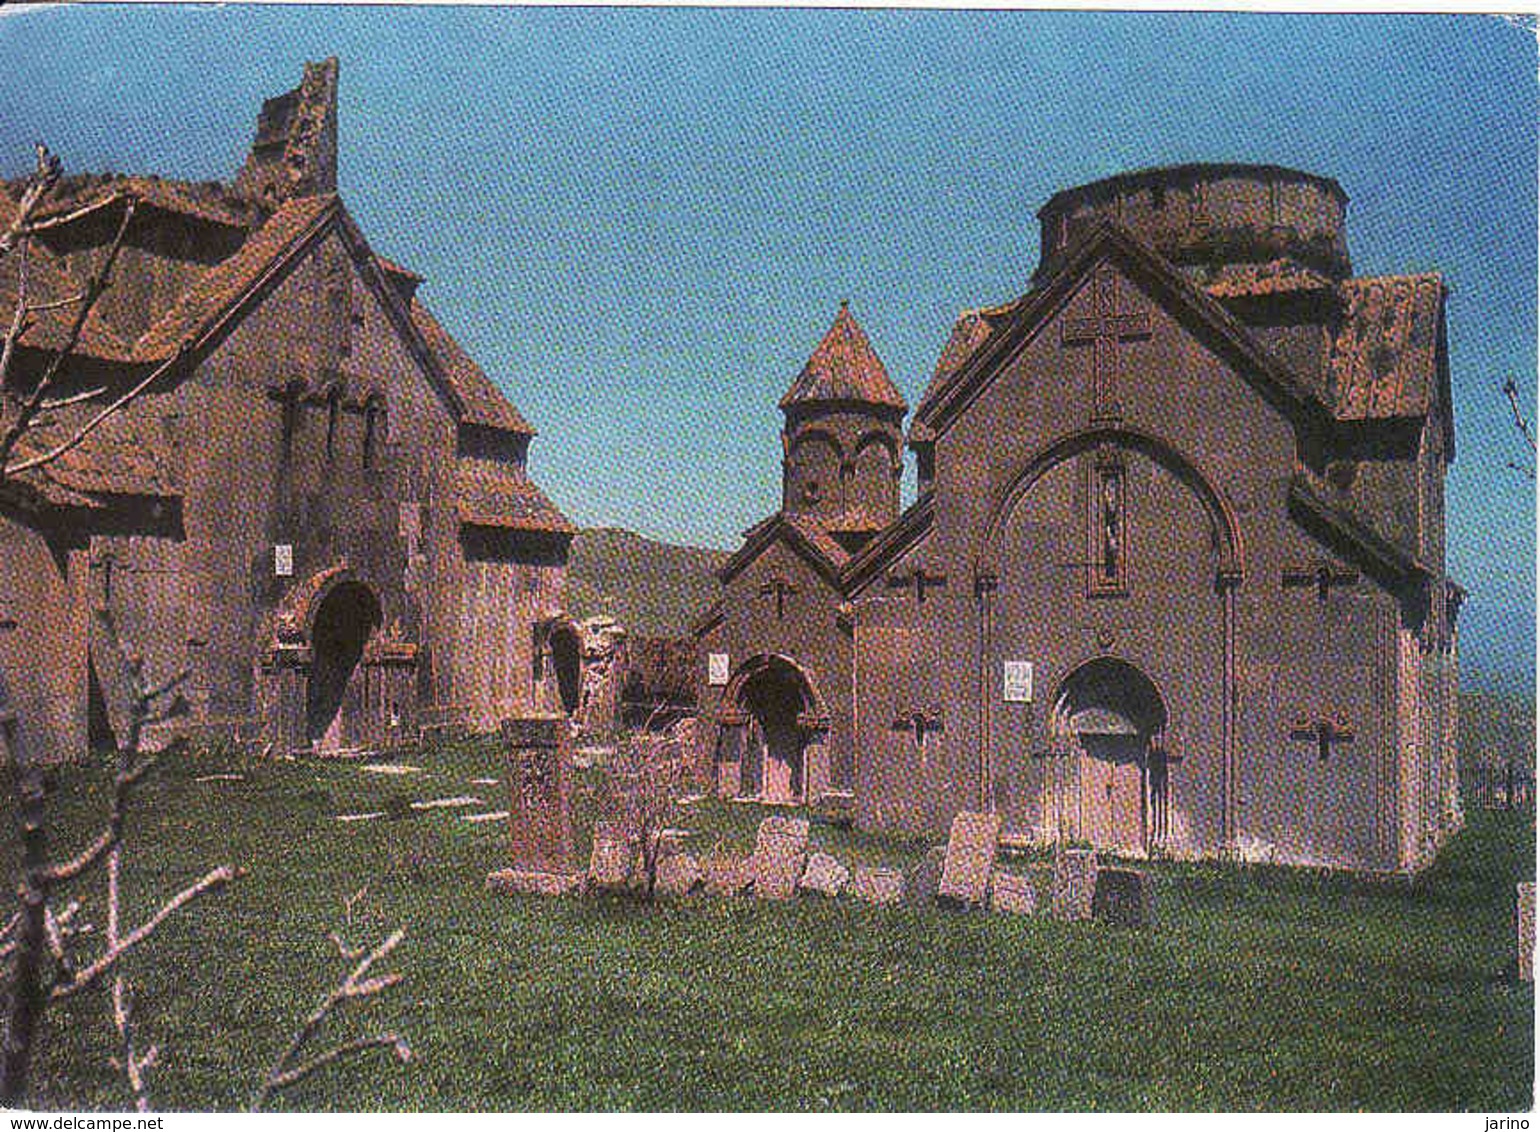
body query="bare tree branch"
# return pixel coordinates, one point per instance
(1511, 392)
(285, 1072)
(44, 176)
(96, 286)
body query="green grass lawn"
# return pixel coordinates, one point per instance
(1261, 989)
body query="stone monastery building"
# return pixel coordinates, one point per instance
(320, 512)
(1174, 580)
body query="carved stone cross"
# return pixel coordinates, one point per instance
(1323, 732)
(1322, 575)
(920, 579)
(780, 587)
(921, 723)
(1104, 331)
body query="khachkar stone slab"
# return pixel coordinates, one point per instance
(1526, 918)
(679, 874)
(879, 886)
(1011, 893)
(1074, 884)
(537, 750)
(1125, 897)
(611, 865)
(824, 875)
(779, 853)
(924, 877)
(970, 858)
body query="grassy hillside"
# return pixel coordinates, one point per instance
(654, 589)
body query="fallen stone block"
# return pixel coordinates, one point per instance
(824, 875)
(878, 885)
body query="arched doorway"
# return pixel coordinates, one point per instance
(772, 723)
(1108, 784)
(334, 708)
(567, 660)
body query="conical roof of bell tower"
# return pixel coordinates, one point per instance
(844, 367)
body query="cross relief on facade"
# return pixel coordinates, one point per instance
(1324, 732)
(1320, 575)
(1104, 331)
(781, 589)
(921, 723)
(920, 579)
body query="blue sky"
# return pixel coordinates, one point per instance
(640, 221)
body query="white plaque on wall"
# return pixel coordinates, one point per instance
(1018, 682)
(716, 669)
(283, 560)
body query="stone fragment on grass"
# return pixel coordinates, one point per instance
(390, 768)
(361, 817)
(779, 853)
(456, 803)
(525, 882)
(878, 885)
(492, 815)
(611, 865)
(824, 875)
(728, 876)
(679, 874)
(1011, 893)
(923, 878)
(970, 858)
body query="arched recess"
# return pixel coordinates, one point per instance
(341, 624)
(567, 660)
(1106, 730)
(1230, 558)
(813, 461)
(876, 470)
(773, 727)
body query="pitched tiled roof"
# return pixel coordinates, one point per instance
(818, 538)
(1255, 280)
(968, 334)
(125, 455)
(844, 367)
(1384, 361)
(499, 495)
(483, 403)
(207, 201)
(207, 300)
(802, 532)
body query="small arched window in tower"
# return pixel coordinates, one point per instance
(374, 430)
(1107, 527)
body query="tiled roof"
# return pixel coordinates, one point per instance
(817, 537)
(854, 519)
(1384, 361)
(968, 334)
(202, 305)
(1256, 280)
(499, 495)
(844, 367)
(125, 455)
(208, 201)
(483, 403)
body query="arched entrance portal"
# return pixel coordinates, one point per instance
(771, 728)
(567, 659)
(334, 707)
(1108, 785)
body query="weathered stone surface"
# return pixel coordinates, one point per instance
(878, 885)
(612, 863)
(1526, 925)
(516, 881)
(679, 874)
(779, 853)
(729, 876)
(1125, 897)
(970, 857)
(539, 811)
(1011, 893)
(824, 875)
(924, 877)
(1074, 884)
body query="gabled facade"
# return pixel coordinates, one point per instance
(319, 512)
(1174, 582)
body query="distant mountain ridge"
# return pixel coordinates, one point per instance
(652, 588)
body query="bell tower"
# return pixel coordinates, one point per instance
(842, 440)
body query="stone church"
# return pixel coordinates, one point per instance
(1173, 582)
(318, 511)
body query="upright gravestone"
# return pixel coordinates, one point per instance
(780, 851)
(1009, 892)
(1526, 916)
(970, 858)
(1074, 884)
(611, 864)
(537, 751)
